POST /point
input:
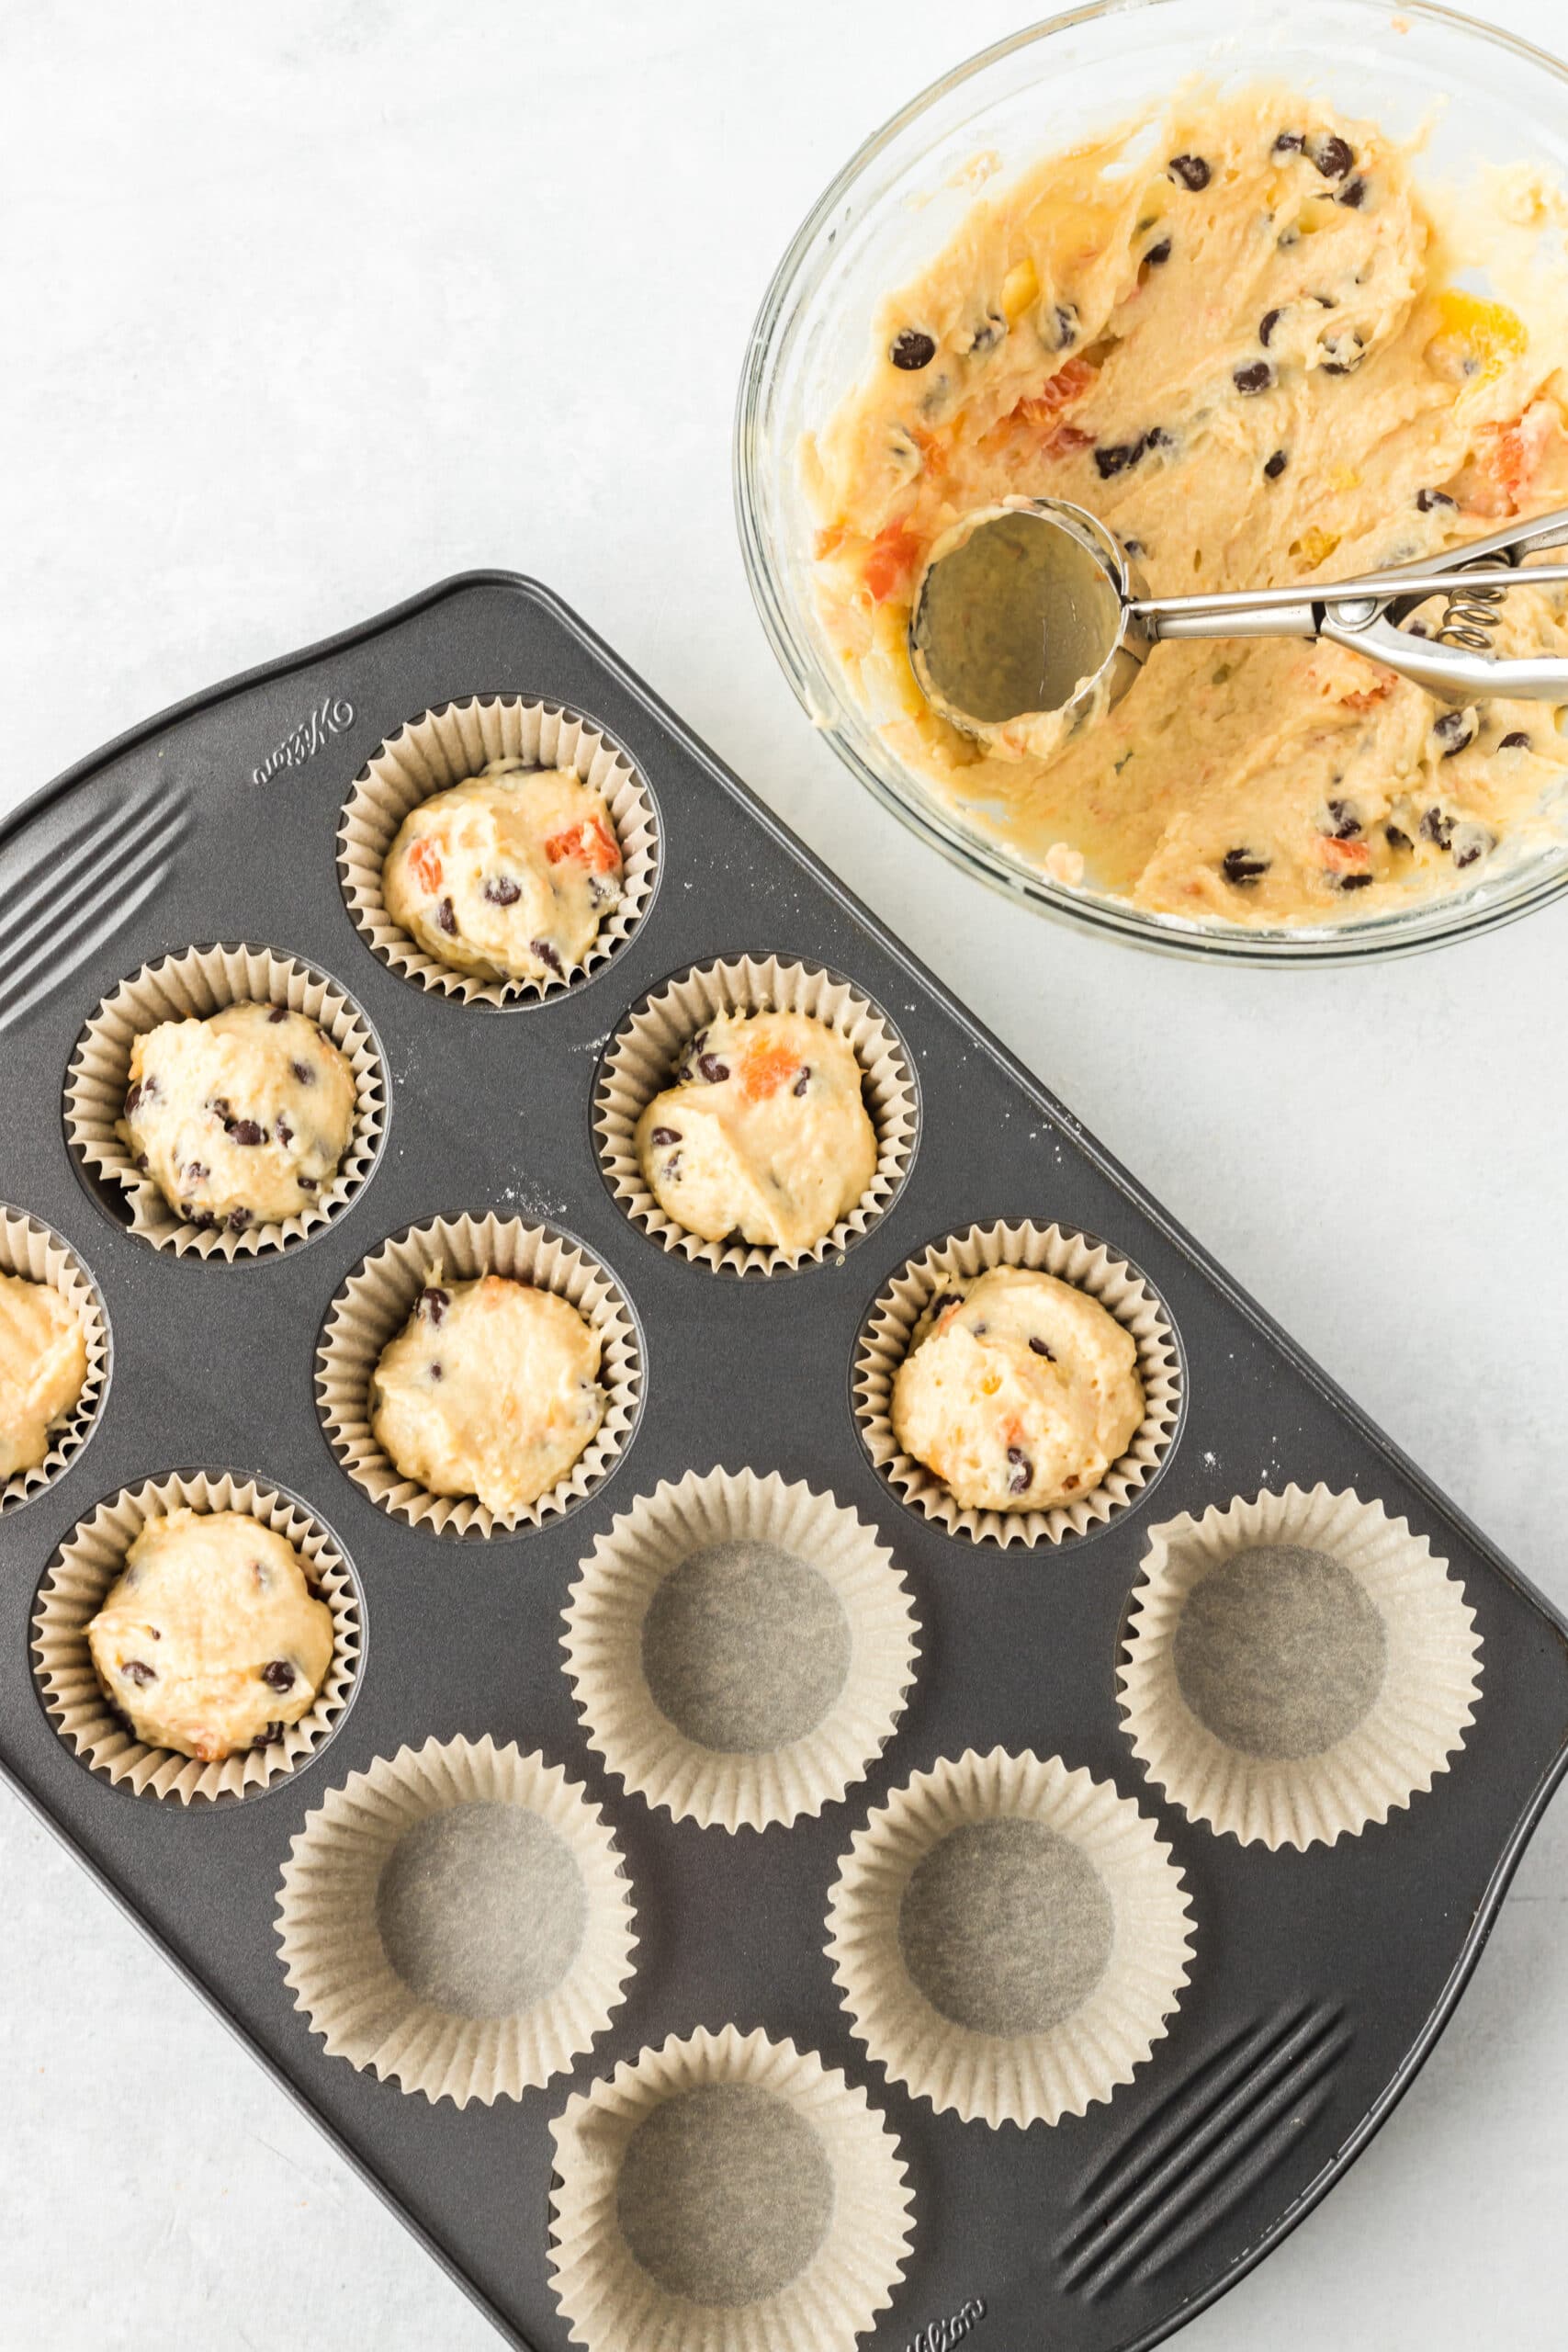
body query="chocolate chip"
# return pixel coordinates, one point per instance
(140, 1163)
(1040, 1349)
(1332, 154)
(1134, 547)
(1426, 499)
(1256, 377)
(436, 1371)
(195, 1173)
(802, 1081)
(600, 889)
(1267, 325)
(306, 1183)
(1355, 881)
(1115, 457)
(224, 1109)
(247, 1131)
(279, 1674)
(1022, 1471)
(1345, 824)
(671, 1173)
(131, 1100)
(502, 891)
(1192, 171)
(1517, 742)
(1275, 466)
(239, 1220)
(1344, 354)
(1435, 827)
(992, 331)
(1396, 839)
(279, 1013)
(1289, 143)
(1352, 194)
(1454, 730)
(446, 917)
(1470, 843)
(304, 1075)
(546, 955)
(1066, 320)
(913, 350)
(1241, 867)
(712, 1069)
(664, 1136)
(282, 1129)
(134, 1671)
(1158, 255)
(433, 1302)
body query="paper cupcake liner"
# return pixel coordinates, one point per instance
(191, 986)
(376, 1301)
(644, 1053)
(1387, 1742)
(1074, 1258)
(747, 1751)
(449, 745)
(767, 2212)
(1118, 1890)
(501, 1984)
(31, 1247)
(73, 1591)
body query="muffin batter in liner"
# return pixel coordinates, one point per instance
(1064, 1855)
(73, 1591)
(898, 1312)
(192, 985)
(802, 2234)
(1383, 1603)
(450, 745)
(377, 1299)
(506, 1905)
(799, 1698)
(31, 1249)
(641, 1061)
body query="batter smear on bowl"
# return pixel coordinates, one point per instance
(1235, 333)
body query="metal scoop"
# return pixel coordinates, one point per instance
(1034, 607)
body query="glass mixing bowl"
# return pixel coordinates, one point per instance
(1488, 97)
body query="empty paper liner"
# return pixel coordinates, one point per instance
(896, 1321)
(740, 1648)
(190, 987)
(456, 1919)
(74, 1590)
(376, 1301)
(725, 2194)
(651, 1041)
(1297, 1666)
(449, 745)
(1009, 1936)
(29, 1247)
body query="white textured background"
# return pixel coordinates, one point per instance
(307, 305)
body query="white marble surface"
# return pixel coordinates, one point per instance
(312, 303)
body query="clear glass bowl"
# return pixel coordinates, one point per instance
(1490, 99)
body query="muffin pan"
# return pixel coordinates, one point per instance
(1317, 1979)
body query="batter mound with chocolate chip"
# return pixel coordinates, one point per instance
(491, 1389)
(508, 875)
(1018, 1392)
(43, 1367)
(1237, 334)
(212, 1635)
(766, 1134)
(240, 1119)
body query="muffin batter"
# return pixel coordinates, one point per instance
(490, 1389)
(240, 1119)
(766, 1135)
(508, 875)
(211, 1635)
(43, 1365)
(1020, 1392)
(1234, 334)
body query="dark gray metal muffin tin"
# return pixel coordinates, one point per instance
(1319, 1980)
